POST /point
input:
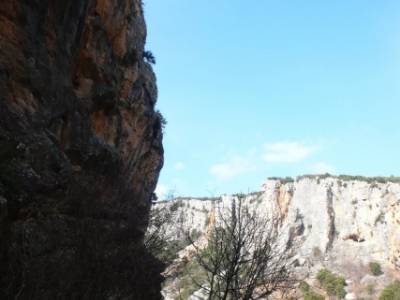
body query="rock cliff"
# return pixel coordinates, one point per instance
(342, 225)
(80, 151)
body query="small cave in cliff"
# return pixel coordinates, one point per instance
(354, 237)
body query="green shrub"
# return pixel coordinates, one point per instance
(378, 179)
(308, 293)
(375, 268)
(344, 178)
(370, 289)
(391, 292)
(323, 275)
(192, 276)
(171, 249)
(313, 296)
(334, 285)
(176, 205)
(304, 287)
(195, 234)
(283, 180)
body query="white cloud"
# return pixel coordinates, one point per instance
(161, 191)
(234, 167)
(322, 168)
(287, 152)
(179, 166)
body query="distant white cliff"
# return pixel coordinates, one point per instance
(339, 224)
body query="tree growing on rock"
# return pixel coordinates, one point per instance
(149, 57)
(158, 238)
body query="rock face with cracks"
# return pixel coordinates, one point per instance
(344, 222)
(80, 151)
(341, 225)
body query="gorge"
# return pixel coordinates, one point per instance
(342, 224)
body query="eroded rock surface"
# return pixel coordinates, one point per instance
(342, 225)
(80, 151)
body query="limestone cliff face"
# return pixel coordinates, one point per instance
(345, 222)
(80, 150)
(340, 225)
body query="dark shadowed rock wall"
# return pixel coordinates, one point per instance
(80, 150)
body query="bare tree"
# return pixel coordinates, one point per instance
(158, 235)
(162, 238)
(246, 256)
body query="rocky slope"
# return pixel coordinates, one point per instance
(342, 225)
(80, 151)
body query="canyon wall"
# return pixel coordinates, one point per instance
(342, 225)
(345, 221)
(80, 151)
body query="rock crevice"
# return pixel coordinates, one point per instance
(331, 215)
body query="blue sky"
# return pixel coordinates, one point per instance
(253, 89)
